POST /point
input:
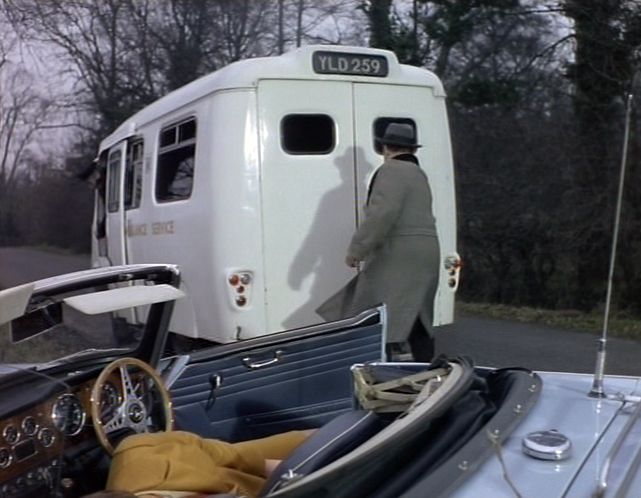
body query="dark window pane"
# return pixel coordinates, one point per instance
(187, 131)
(113, 180)
(133, 174)
(175, 175)
(175, 165)
(380, 125)
(168, 136)
(307, 134)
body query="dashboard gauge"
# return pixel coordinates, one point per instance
(46, 437)
(68, 414)
(110, 400)
(29, 426)
(5, 458)
(11, 434)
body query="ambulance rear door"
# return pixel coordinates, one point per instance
(308, 195)
(375, 106)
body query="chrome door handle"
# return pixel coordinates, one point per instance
(253, 365)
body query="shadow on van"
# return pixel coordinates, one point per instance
(322, 253)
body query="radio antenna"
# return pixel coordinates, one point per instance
(599, 371)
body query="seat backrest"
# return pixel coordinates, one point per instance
(333, 440)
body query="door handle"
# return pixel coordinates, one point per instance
(215, 381)
(255, 364)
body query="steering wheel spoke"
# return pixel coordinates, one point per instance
(117, 422)
(127, 384)
(132, 412)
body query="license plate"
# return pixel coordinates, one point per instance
(347, 63)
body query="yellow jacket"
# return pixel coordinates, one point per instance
(182, 461)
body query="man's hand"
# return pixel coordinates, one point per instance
(352, 262)
(270, 465)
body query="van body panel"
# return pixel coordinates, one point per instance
(170, 231)
(235, 217)
(215, 230)
(247, 73)
(307, 201)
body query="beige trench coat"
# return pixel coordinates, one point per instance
(398, 244)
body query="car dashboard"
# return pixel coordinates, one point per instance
(47, 435)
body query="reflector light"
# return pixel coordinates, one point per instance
(240, 281)
(453, 263)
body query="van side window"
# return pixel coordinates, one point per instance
(113, 181)
(100, 204)
(176, 158)
(133, 174)
(307, 134)
(380, 125)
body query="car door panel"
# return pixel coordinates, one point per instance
(286, 381)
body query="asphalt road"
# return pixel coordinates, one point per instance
(502, 343)
(495, 343)
(19, 265)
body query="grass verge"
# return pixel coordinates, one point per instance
(620, 324)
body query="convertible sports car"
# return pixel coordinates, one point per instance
(85, 361)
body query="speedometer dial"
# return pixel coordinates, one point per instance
(68, 414)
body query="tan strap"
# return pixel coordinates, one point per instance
(387, 396)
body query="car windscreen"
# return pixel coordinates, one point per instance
(72, 334)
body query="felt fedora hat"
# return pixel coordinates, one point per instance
(400, 134)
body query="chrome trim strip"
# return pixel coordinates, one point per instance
(616, 447)
(121, 273)
(171, 373)
(624, 487)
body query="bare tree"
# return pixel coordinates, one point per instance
(23, 113)
(379, 13)
(88, 36)
(334, 22)
(126, 53)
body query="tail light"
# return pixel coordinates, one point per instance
(452, 265)
(240, 283)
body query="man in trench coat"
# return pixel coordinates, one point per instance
(398, 246)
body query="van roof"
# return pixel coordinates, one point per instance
(246, 73)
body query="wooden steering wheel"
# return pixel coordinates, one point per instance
(128, 406)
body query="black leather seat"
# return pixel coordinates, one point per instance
(333, 440)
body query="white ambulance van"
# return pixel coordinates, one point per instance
(253, 179)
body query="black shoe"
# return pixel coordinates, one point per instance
(398, 351)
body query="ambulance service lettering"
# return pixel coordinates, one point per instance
(156, 228)
(348, 63)
(162, 227)
(134, 230)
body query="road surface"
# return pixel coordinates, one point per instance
(496, 343)
(19, 265)
(503, 343)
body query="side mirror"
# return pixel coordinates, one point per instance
(36, 322)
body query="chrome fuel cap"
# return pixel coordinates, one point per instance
(547, 445)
